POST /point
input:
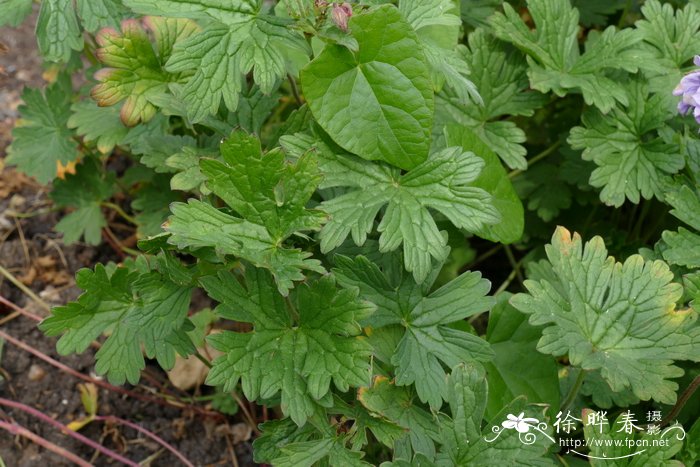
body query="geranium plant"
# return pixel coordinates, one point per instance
(384, 194)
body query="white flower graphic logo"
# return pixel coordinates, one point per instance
(520, 423)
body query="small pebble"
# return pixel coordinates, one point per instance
(36, 373)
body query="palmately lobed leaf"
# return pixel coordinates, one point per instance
(443, 183)
(101, 125)
(222, 54)
(83, 191)
(41, 138)
(269, 194)
(96, 14)
(57, 30)
(221, 10)
(634, 160)
(297, 347)
(136, 308)
(673, 38)
(458, 439)
(556, 63)
(424, 319)
(500, 76)
(619, 318)
(683, 246)
(437, 25)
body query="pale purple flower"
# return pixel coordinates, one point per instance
(689, 89)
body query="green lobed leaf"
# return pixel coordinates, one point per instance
(97, 14)
(136, 309)
(57, 30)
(84, 192)
(41, 139)
(500, 76)
(377, 102)
(602, 396)
(599, 312)
(364, 423)
(633, 159)
(437, 25)
(673, 37)
(101, 125)
(556, 64)
(222, 10)
(684, 245)
(545, 189)
(150, 204)
(428, 339)
(397, 404)
(14, 12)
(444, 183)
(477, 12)
(297, 347)
(464, 443)
(222, 54)
(269, 194)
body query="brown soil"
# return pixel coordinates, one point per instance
(32, 252)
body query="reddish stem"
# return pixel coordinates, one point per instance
(20, 310)
(67, 431)
(103, 384)
(140, 429)
(113, 243)
(43, 442)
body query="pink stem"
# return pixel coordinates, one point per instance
(103, 384)
(43, 442)
(20, 310)
(67, 431)
(140, 429)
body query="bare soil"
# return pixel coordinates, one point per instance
(33, 253)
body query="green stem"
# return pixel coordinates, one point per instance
(536, 159)
(514, 264)
(295, 90)
(203, 359)
(573, 392)
(628, 5)
(120, 211)
(506, 282)
(27, 215)
(637, 229)
(485, 256)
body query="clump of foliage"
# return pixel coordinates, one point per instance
(335, 176)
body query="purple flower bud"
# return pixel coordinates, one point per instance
(689, 90)
(341, 13)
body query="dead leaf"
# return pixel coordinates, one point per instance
(29, 276)
(63, 170)
(239, 432)
(47, 261)
(187, 373)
